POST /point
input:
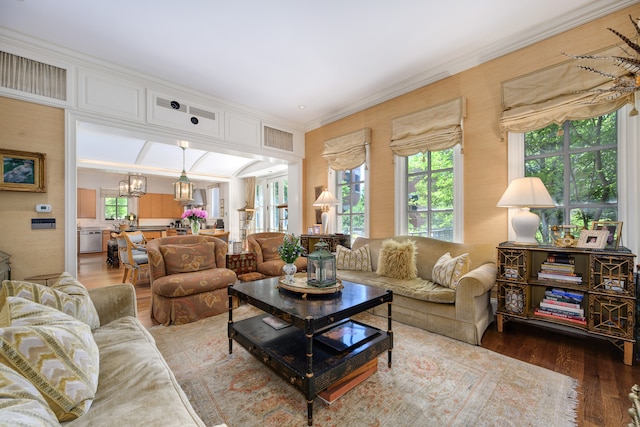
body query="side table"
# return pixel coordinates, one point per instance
(242, 263)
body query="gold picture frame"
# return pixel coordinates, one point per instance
(615, 232)
(593, 239)
(22, 171)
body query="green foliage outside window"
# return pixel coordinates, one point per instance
(578, 163)
(115, 208)
(430, 194)
(350, 212)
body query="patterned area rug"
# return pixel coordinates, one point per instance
(433, 381)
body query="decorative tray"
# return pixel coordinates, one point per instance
(301, 286)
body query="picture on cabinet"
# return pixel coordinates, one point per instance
(22, 171)
(615, 230)
(593, 239)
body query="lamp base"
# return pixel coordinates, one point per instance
(525, 224)
(325, 222)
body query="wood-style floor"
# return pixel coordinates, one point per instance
(597, 364)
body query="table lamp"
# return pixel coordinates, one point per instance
(526, 193)
(325, 201)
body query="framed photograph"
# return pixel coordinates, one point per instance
(22, 171)
(316, 229)
(309, 230)
(615, 231)
(593, 239)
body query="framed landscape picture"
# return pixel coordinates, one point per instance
(22, 171)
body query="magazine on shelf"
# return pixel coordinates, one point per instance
(567, 294)
(572, 319)
(561, 309)
(347, 335)
(275, 323)
(560, 277)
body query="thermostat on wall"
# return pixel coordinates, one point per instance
(43, 208)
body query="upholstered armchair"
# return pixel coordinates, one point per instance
(189, 278)
(265, 245)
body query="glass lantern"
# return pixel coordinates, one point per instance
(321, 266)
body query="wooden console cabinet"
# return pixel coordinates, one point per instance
(308, 241)
(600, 281)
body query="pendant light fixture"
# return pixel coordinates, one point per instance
(183, 188)
(135, 185)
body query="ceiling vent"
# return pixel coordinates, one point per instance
(276, 138)
(29, 76)
(175, 105)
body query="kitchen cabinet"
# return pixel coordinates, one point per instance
(150, 235)
(156, 205)
(106, 235)
(86, 203)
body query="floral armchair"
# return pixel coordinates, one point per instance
(265, 246)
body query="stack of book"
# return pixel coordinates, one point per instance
(562, 304)
(560, 267)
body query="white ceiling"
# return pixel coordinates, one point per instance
(334, 57)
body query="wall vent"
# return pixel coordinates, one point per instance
(27, 75)
(202, 113)
(178, 106)
(172, 105)
(276, 138)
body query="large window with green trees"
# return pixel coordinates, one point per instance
(578, 163)
(351, 210)
(115, 208)
(430, 194)
(278, 195)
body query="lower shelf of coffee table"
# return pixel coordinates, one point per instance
(284, 351)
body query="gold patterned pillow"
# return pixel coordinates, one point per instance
(397, 259)
(22, 403)
(67, 295)
(447, 271)
(269, 247)
(52, 350)
(359, 259)
(189, 257)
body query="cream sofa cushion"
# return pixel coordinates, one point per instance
(359, 260)
(21, 404)
(52, 350)
(67, 295)
(447, 271)
(397, 259)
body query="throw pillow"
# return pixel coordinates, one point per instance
(22, 403)
(67, 295)
(397, 259)
(359, 259)
(54, 351)
(269, 247)
(189, 257)
(447, 271)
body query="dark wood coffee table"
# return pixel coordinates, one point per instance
(311, 350)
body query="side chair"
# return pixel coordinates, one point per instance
(133, 256)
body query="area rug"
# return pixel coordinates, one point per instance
(433, 381)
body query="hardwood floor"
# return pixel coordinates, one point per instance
(605, 381)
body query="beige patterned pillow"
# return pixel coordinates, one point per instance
(188, 258)
(359, 260)
(52, 350)
(67, 295)
(397, 259)
(448, 271)
(22, 404)
(269, 247)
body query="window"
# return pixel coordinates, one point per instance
(115, 208)
(259, 207)
(430, 194)
(578, 163)
(351, 211)
(278, 195)
(214, 194)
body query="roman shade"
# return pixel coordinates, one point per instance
(434, 129)
(562, 92)
(347, 151)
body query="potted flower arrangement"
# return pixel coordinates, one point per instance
(194, 216)
(289, 251)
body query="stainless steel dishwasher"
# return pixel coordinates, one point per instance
(90, 240)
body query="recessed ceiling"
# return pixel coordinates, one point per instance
(333, 56)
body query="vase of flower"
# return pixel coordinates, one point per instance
(289, 271)
(195, 227)
(289, 253)
(194, 216)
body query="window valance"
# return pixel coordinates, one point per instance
(562, 92)
(434, 129)
(347, 151)
(109, 192)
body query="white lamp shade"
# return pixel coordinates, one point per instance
(326, 199)
(526, 193)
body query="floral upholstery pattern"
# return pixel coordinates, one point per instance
(185, 297)
(265, 246)
(269, 247)
(188, 258)
(448, 271)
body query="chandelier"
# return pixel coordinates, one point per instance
(135, 185)
(183, 188)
